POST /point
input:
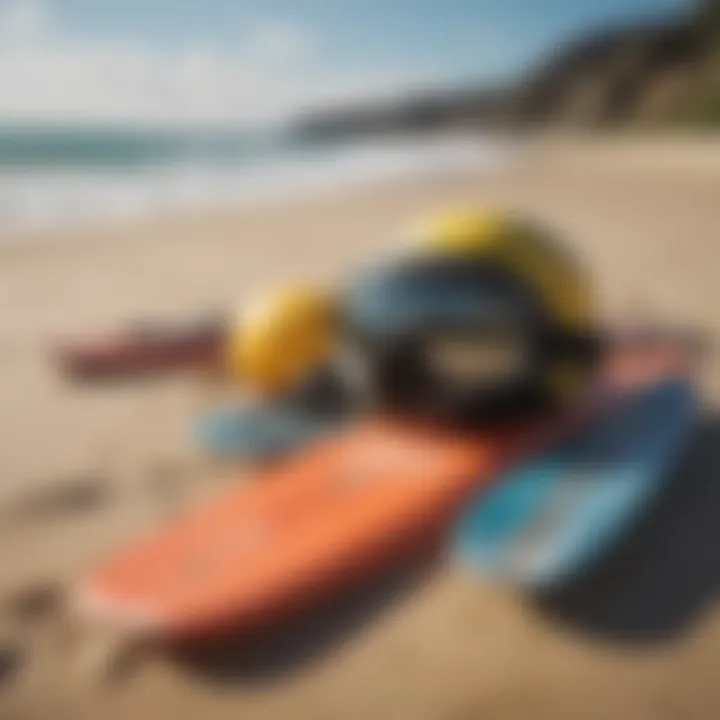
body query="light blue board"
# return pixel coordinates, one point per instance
(556, 514)
(257, 432)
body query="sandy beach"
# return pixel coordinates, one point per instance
(85, 469)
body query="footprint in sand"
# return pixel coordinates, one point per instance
(11, 656)
(67, 496)
(35, 602)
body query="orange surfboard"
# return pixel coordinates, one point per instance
(335, 515)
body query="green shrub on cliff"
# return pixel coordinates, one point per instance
(703, 111)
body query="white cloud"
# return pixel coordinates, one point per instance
(280, 41)
(45, 76)
(21, 23)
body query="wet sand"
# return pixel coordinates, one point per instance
(83, 470)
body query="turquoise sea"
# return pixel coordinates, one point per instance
(51, 176)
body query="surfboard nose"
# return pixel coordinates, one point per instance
(136, 616)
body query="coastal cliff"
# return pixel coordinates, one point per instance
(658, 73)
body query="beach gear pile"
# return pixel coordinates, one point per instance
(482, 319)
(462, 390)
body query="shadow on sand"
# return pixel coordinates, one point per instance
(667, 570)
(294, 646)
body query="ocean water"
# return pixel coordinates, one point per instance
(51, 178)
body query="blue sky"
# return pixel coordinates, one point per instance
(451, 36)
(236, 60)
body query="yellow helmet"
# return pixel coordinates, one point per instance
(520, 247)
(284, 334)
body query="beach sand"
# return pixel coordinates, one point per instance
(85, 469)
